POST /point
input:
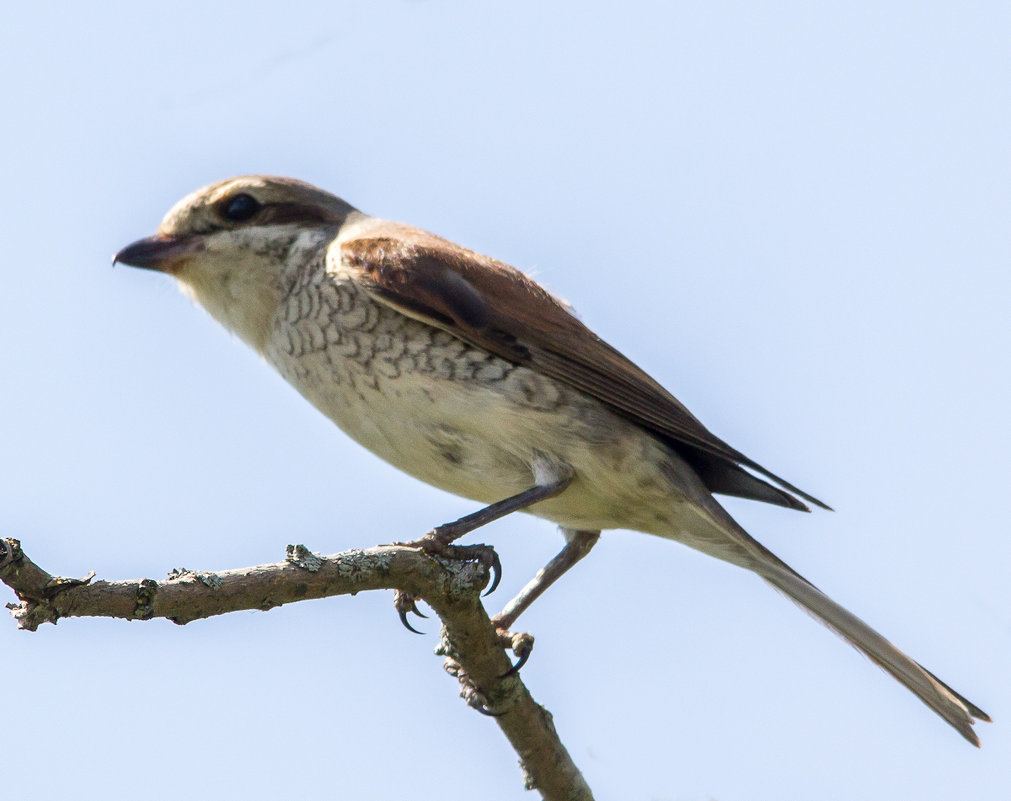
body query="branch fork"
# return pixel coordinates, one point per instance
(474, 648)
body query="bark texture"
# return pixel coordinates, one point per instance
(473, 647)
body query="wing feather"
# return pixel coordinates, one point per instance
(496, 307)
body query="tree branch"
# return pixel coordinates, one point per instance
(472, 645)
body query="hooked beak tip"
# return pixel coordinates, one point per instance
(159, 253)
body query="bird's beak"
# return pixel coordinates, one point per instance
(162, 253)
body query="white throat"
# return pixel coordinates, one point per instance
(241, 277)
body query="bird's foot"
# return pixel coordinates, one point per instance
(520, 643)
(437, 543)
(406, 603)
(469, 691)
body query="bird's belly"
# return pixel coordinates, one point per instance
(473, 424)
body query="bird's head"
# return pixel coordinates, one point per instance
(236, 246)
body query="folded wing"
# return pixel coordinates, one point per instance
(496, 307)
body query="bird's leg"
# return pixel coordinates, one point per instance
(439, 540)
(448, 532)
(577, 545)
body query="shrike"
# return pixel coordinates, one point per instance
(467, 374)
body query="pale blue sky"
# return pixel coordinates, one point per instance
(795, 216)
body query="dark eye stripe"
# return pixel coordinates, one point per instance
(280, 213)
(243, 207)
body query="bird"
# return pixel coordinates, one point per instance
(467, 374)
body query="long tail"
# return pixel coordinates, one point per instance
(954, 708)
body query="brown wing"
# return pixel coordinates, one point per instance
(496, 307)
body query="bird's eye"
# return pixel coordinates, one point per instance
(240, 208)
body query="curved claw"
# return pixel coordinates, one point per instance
(486, 711)
(404, 602)
(519, 664)
(404, 620)
(496, 573)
